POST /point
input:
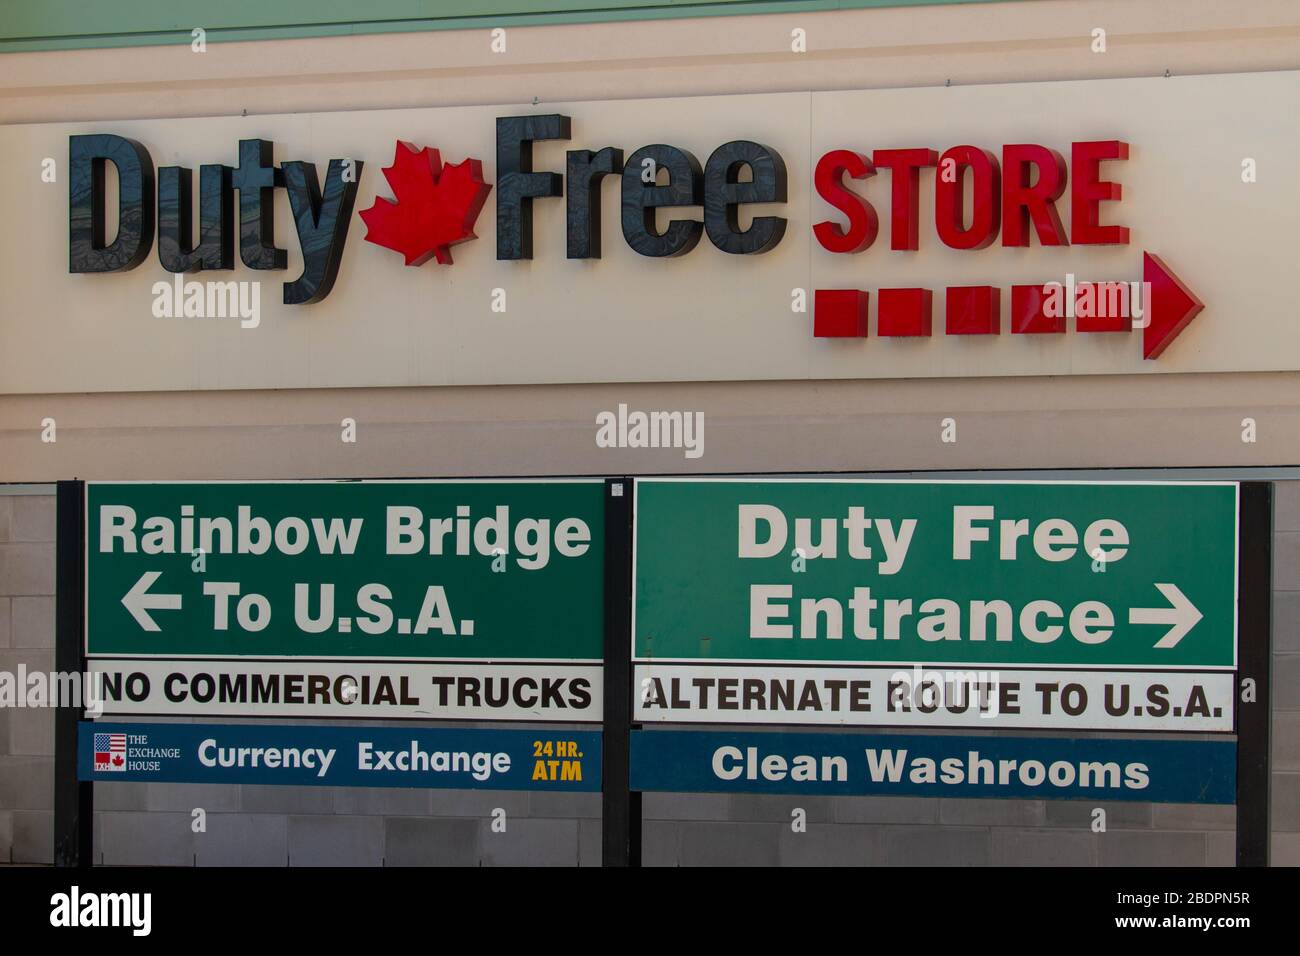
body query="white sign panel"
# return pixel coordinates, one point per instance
(993, 699)
(1211, 217)
(389, 690)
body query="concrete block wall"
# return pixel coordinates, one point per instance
(26, 639)
(1285, 736)
(140, 824)
(749, 830)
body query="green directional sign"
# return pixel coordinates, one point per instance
(1018, 574)
(461, 570)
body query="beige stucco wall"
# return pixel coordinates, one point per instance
(1028, 422)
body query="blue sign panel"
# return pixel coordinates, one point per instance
(441, 758)
(1052, 768)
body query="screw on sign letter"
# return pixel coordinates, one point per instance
(950, 199)
(583, 171)
(863, 221)
(1087, 193)
(256, 178)
(88, 250)
(322, 222)
(685, 187)
(905, 191)
(724, 193)
(517, 184)
(1022, 202)
(216, 247)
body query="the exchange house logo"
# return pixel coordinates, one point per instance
(1013, 197)
(110, 753)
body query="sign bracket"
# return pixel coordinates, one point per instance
(1254, 629)
(621, 807)
(74, 800)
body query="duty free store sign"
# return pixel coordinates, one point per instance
(975, 201)
(978, 604)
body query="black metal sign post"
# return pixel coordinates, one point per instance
(73, 800)
(1254, 629)
(621, 808)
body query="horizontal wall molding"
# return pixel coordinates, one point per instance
(33, 25)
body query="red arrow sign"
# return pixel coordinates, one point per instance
(1171, 306)
(1167, 307)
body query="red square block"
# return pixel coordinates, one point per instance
(974, 310)
(839, 313)
(904, 312)
(1103, 307)
(1028, 310)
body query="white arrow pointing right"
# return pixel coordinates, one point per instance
(1181, 616)
(140, 602)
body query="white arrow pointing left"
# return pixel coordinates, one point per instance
(140, 602)
(1181, 616)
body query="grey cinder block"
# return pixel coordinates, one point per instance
(26, 569)
(431, 841)
(5, 629)
(685, 806)
(709, 843)
(990, 812)
(241, 839)
(659, 842)
(31, 731)
(935, 846)
(1286, 682)
(590, 843)
(530, 842)
(1286, 561)
(1221, 848)
(886, 809)
(259, 798)
(568, 805)
(120, 796)
(830, 845)
(336, 841)
(1078, 813)
(1153, 848)
(1284, 850)
(27, 783)
(1047, 847)
(146, 839)
(382, 801)
(33, 517)
(6, 835)
(1194, 816)
(777, 808)
(33, 836)
(1285, 741)
(32, 658)
(31, 622)
(186, 797)
(1286, 622)
(477, 804)
(6, 517)
(1286, 506)
(1284, 803)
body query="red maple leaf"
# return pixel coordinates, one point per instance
(435, 207)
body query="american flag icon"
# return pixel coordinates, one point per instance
(110, 753)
